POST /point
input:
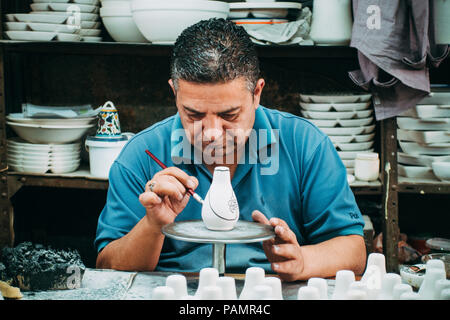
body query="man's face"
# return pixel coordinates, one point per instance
(217, 117)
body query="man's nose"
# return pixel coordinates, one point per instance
(212, 129)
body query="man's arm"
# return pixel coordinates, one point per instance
(164, 198)
(294, 262)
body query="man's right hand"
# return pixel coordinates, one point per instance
(166, 195)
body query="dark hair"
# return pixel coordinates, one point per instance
(214, 51)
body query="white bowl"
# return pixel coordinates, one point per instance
(90, 32)
(334, 115)
(340, 107)
(122, 28)
(335, 98)
(64, 168)
(28, 168)
(433, 124)
(441, 170)
(442, 149)
(116, 3)
(343, 123)
(20, 118)
(163, 21)
(49, 134)
(420, 160)
(27, 161)
(63, 7)
(17, 157)
(354, 146)
(352, 138)
(416, 172)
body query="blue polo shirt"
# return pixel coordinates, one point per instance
(291, 171)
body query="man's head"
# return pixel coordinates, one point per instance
(215, 79)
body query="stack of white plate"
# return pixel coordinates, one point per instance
(346, 118)
(56, 20)
(45, 131)
(263, 9)
(424, 137)
(40, 158)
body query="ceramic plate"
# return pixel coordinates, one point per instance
(44, 17)
(423, 137)
(342, 123)
(51, 27)
(416, 172)
(428, 111)
(420, 160)
(31, 35)
(436, 124)
(442, 149)
(92, 39)
(19, 117)
(442, 98)
(340, 107)
(262, 9)
(336, 115)
(353, 146)
(16, 26)
(351, 155)
(352, 138)
(89, 32)
(63, 7)
(83, 16)
(339, 98)
(68, 37)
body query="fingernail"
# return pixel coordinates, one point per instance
(280, 229)
(276, 248)
(180, 196)
(190, 184)
(275, 266)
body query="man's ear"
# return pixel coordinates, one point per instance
(258, 91)
(172, 85)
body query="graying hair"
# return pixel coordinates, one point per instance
(215, 51)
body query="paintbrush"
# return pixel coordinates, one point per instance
(162, 165)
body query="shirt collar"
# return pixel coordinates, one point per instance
(183, 152)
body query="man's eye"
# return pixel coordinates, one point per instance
(229, 117)
(196, 116)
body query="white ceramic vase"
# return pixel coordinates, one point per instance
(220, 210)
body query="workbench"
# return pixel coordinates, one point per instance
(102, 284)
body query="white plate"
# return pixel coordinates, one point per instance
(416, 172)
(428, 111)
(442, 97)
(90, 25)
(423, 137)
(348, 131)
(437, 124)
(351, 155)
(420, 160)
(353, 146)
(31, 35)
(28, 161)
(89, 32)
(92, 39)
(349, 163)
(262, 9)
(90, 2)
(352, 138)
(38, 18)
(342, 123)
(339, 98)
(83, 16)
(336, 115)
(340, 107)
(417, 149)
(63, 7)
(19, 117)
(49, 134)
(29, 169)
(51, 27)
(16, 26)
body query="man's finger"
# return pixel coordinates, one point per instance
(149, 199)
(282, 230)
(180, 175)
(258, 216)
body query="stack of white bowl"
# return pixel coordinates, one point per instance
(162, 21)
(40, 158)
(56, 20)
(118, 20)
(346, 118)
(424, 137)
(50, 131)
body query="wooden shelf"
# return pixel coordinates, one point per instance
(82, 179)
(144, 49)
(409, 185)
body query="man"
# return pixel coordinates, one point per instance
(285, 172)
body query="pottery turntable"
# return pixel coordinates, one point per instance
(195, 231)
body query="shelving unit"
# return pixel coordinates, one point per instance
(387, 188)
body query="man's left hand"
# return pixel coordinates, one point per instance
(283, 252)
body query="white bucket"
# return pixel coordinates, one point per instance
(102, 154)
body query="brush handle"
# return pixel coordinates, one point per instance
(162, 165)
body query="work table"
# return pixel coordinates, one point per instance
(102, 284)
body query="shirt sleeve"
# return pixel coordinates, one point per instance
(122, 210)
(328, 203)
